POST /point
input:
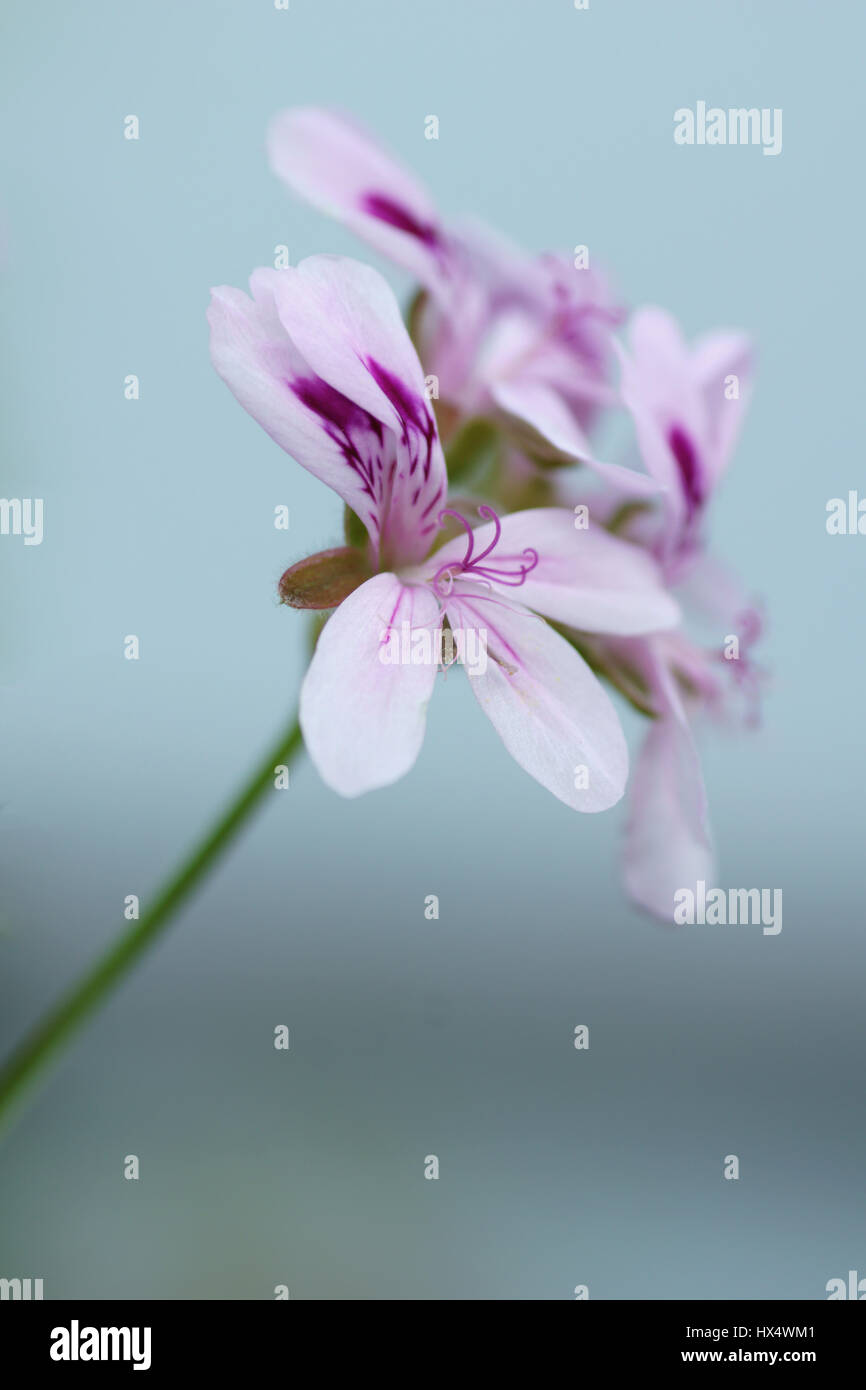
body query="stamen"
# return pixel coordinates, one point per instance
(510, 570)
(489, 515)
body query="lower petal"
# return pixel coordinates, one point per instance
(548, 708)
(362, 712)
(668, 844)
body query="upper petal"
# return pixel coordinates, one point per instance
(687, 413)
(345, 320)
(362, 718)
(544, 411)
(659, 348)
(548, 708)
(330, 160)
(320, 358)
(260, 364)
(719, 357)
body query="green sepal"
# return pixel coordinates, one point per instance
(354, 530)
(625, 514)
(414, 312)
(472, 450)
(325, 579)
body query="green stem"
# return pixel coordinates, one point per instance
(75, 1007)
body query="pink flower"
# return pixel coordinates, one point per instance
(526, 339)
(687, 404)
(320, 358)
(687, 408)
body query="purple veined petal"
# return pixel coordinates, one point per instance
(716, 358)
(663, 465)
(362, 717)
(548, 708)
(667, 844)
(692, 466)
(336, 165)
(670, 451)
(657, 346)
(587, 579)
(346, 322)
(344, 319)
(391, 474)
(330, 436)
(537, 406)
(658, 370)
(662, 389)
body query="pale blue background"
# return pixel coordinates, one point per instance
(411, 1037)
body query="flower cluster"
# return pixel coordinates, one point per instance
(578, 571)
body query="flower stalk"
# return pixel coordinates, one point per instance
(72, 1011)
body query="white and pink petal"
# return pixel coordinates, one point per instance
(257, 360)
(548, 708)
(330, 160)
(363, 716)
(543, 412)
(584, 578)
(349, 407)
(345, 320)
(668, 845)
